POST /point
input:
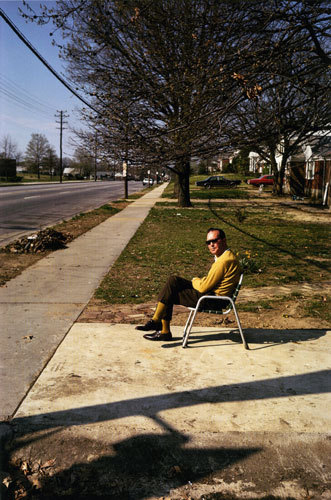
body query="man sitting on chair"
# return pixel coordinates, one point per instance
(221, 279)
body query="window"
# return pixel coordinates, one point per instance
(310, 170)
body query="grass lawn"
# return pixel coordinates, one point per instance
(12, 264)
(243, 191)
(33, 178)
(273, 248)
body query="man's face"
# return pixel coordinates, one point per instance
(216, 245)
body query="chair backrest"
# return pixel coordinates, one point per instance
(235, 293)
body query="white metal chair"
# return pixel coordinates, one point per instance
(199, 308)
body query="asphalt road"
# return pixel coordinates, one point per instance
(31, 207)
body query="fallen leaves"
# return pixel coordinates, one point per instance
(7, 481)
(28, 477)
(48, 464)
(28, 337)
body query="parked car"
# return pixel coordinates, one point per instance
(218, 180)
(264, 180)
(145, 181)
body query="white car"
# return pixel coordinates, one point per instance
(145, 181)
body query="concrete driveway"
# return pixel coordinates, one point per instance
(154, 420)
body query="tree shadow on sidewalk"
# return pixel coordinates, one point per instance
(133, 464)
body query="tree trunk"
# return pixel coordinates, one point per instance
(281, 174)
(126, 191)
(176, 185)
(278, 175)
(183, 178)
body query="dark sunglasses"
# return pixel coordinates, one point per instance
(208, 242)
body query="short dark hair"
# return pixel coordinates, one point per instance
(221, 233)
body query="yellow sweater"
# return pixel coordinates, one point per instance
(223, 276)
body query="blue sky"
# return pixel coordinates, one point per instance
(26, 79)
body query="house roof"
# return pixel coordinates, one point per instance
(69, 170)
(320, 146)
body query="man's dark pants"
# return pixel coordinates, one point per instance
(180, 291)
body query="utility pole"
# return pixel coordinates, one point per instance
(95, 156)
(61, 115)
(125, 164)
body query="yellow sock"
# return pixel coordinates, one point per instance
(165, 326)
(159, 311)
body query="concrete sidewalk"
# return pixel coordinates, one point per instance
(146, 420)
(39, 306)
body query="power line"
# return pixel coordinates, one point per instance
(41, 58)
(18, 92)
(19, 101)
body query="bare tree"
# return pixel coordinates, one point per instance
(8, 148)
(307, 20)
(165, 75)
(295, 102)
(37, 152)
(83, 160)
(51, 161)
(161, 73)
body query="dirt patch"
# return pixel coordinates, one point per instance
(284, 207)
(233, 466)
(11, 265)
(282, 315)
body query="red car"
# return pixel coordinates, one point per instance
(262, 181)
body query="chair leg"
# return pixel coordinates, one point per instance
(187, 322)
(191, 318)
(239, 326)
(188, 326)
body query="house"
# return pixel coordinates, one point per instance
(308, 170)
(225, 159)
(256, 164)
(70, 172)
(318, 170)
(102, 175)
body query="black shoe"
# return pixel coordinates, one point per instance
(158, 336)
(150, 326)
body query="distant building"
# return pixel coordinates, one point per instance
(70, 172)
(7, 168)
(318, 170)
(256, 163)
(308, 170)
(103, 174)
(225, 159)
